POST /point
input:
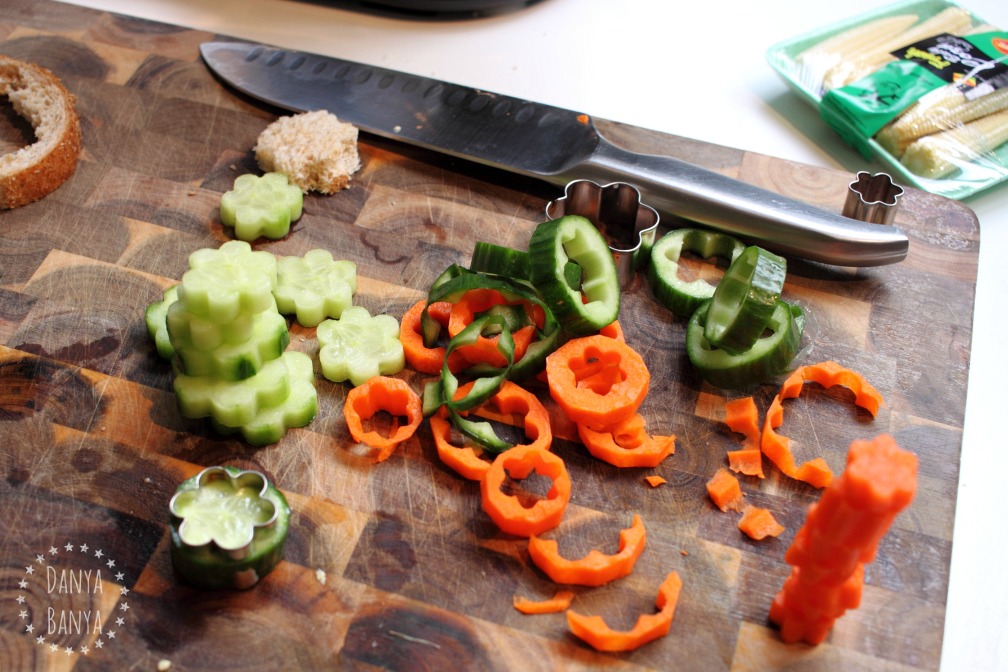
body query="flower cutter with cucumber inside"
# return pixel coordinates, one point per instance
(265, 512)
(617, 212)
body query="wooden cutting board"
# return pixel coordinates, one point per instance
(394, 565)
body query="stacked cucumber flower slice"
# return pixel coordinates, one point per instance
(227, 342)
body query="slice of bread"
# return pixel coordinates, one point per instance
(33, 171)
(315, 150)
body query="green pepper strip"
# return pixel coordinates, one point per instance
(452, 289)
(442, 393)
(744, 299)
(573, 237)
(770, 355)
(679, 296)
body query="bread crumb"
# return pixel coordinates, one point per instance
(163, 665)
(315, 150)
(320, 576)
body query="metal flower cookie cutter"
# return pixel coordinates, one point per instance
(872, 198)
(617, 212)
(217, 494)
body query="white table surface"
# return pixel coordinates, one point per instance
(696, 70)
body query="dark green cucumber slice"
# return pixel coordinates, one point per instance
(679, 296)
(771, 354)
(575, 238)
(210, 566)
(744, 300)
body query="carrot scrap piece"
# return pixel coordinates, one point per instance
(627, 444)
(417, 355)
(840, 534)
(724, 490)
(777, 448)
(742, 417)
(510, 399)
(759, 523)
(595, 568)
(654, 480)
(588, 357)
(560, 601)
(748, 461)
(507, 511)
(382, 393)
(649, 627)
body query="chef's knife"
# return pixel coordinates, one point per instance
(544, 142)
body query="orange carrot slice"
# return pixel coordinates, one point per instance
(595, 568)
(777, 448)
(655, 480)
(588, 357)
(382, 393)
(724, 490)
(506, 510)
(649, 627)
(560, 601)
(484, 350)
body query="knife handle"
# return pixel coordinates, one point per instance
(779, 223)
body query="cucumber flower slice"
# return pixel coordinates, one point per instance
(357, 346)
(314, 287)
(261, 206)
(225, 283)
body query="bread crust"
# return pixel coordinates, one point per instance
(24, 184)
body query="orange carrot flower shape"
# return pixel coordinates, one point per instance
(649, 627)
(840, 534)
(382, 393)
(595, 568)
(506, 510)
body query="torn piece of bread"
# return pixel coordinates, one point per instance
(315, 150)
(33, 171)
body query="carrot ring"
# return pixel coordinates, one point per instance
(595, 568)
(507, 511)
(777, 447)
(589, 394)
(382, 393)
(649, 627)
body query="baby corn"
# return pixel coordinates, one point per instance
(817, 60)
(935, 156)
(940, 110)
(854, 66)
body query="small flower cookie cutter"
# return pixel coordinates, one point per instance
(616, 210)
(872, 198)
(186, 505)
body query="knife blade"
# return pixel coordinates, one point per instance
(547, 143)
